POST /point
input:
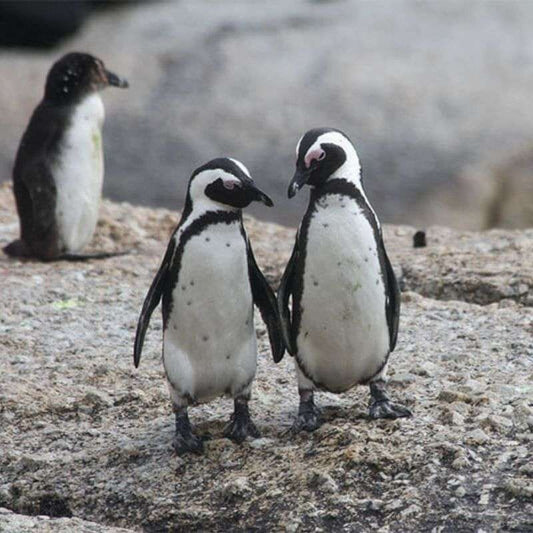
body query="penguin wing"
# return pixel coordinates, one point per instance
(286, 287)
(392, 299)
(36, 195)
(265, 300)
(152, 301)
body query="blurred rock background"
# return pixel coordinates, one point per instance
(436, 96)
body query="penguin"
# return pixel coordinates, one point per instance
(345, 296)
(209, 282)
(59, 166)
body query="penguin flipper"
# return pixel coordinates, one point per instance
(265, 300)
(393, 299)
(36, 195)
(152, 301)
(285, 290)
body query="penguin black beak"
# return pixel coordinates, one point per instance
(259, 196)
(115, 81)
(298, 181)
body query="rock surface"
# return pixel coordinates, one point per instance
(426, 90)
(85, 437)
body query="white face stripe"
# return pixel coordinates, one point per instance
(241, 166)
(203, 179)
(298, 145)
(351, 169)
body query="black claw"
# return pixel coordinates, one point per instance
(240, 425)
(239, 428)
(184, 439)
(387, 409)
(309, 416)
(187, 443)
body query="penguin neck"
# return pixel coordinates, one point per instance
(200, 207)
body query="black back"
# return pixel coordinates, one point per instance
(33, 181)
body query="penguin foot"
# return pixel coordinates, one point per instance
(307, 420)
(239, 428)
(184, 439)
(240, 425)
(189, 442)
(381, 406)
(309, 415)
(387, 409)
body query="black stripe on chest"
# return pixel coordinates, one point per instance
(195, 228)
(318, 196)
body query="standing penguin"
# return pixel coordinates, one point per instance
(209, 282)
(345, 297)
(59, 168)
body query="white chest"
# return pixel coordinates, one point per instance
(79, 173)
(343, 335)
(209, 343)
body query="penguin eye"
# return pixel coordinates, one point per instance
(321, 156)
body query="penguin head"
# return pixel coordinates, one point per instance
(226, 183)
(77, 75)
(320, 154)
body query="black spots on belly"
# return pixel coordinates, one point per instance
(315, 283)
(342, 206)
(205, 338)
(191, 283)
(183, 287)
(325, 225)
(207, 239)
(370, 248)
(247, 322)
(377, 281)
(366, 259)
(306, 334)
(228, 245)
(339, 263)
(174, 327)
(189, 302)
(228, 357)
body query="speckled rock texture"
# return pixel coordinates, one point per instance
(85, 438)
(426, 90)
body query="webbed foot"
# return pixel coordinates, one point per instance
(309, 416)
(184, 439)
(240, 425)
(381, 407)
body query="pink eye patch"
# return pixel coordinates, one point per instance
(231, 184)
(314, 155)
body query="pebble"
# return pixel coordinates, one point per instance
(460, 491)
(477, 437)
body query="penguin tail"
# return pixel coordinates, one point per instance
(17, 248)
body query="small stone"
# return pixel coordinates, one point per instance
(498, 423)
(453, 396)
(235, 489)
(460, 491)
(322, 481)
(477, 437)
(374, 505)
(519, 487)
(263, 442)
(460, 462)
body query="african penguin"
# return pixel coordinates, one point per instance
(208, 282)
(59, 167)
(345, 297)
